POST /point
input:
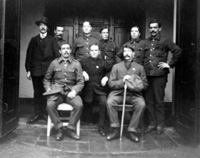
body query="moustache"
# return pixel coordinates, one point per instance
(153, 32)
(126, 56)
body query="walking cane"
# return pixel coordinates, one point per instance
(123, 111)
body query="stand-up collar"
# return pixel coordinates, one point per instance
(157, 38)
(103, 41)
(69, 59)
(135, 40)
(84, 36)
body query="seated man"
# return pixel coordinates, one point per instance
(118, 76)
(95, 72)
(63, 82)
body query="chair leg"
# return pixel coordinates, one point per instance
(78, 128)
(142, 124)
(48, 126)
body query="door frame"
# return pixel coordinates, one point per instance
(191, 129)
(9, 113)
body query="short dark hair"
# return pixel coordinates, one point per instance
(62, 43)
(58, 25)
(130, 47)
(95, 44)
(104, 27)
(136, 27)
(155, 21)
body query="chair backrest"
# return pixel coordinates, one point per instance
(64, 107)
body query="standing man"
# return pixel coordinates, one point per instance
(63, 83)
(95, 72)
(42, 49)
(135, 42)
(82, 44)
(108, 47)
(121, 72)
(59, 31)
(157, 68)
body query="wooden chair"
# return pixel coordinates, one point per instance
(62, 107)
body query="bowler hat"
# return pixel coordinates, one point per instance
(43, 20)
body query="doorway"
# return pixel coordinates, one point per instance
(119, 15)
(9, 64)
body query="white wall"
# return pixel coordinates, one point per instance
(32, 10)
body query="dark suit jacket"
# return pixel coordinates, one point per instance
(39, 57)
(117, 74)
(96, 69)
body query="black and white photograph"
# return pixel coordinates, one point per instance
(99, 78)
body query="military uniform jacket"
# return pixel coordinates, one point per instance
(139, 48)
(59, 41)
(64, 75)
(40, 53)
(82, 45)
(96, 69)
(108, 50)
(117, 74)
(156, 50)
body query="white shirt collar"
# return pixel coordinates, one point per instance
(43, 35)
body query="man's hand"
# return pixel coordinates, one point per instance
(127, 77)
(28, 75)
(71, 94)
(86, 76)
(48, 89)
(104, 81)
(163, 65)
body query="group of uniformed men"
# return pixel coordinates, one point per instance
(93, 72)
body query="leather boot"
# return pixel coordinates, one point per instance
(133, 137)
(72, 134)
(60, 135)
(114, 135)
(102, 131)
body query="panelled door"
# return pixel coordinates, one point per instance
(9, 65)
(69, 34)
(121, 35)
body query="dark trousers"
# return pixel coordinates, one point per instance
(101, 102)
(139, 105)
(39, 99)
(52, 103)
(154, 97)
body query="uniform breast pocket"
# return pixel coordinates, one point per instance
(70, 74)
(80, 45)
(138, 49)
(110, 49)
(161, 47)
(57, 72)
(160, 54)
